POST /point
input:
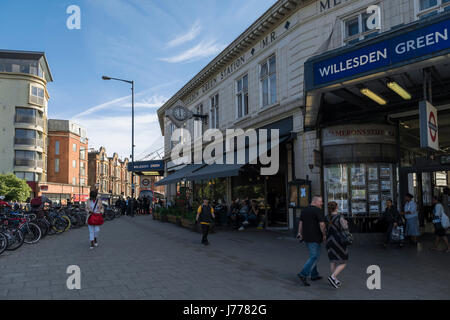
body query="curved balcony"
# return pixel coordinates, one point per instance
(29, 142)
(28, 163)
(30, 120)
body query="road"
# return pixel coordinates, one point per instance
(140, 258)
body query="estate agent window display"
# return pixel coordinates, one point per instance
(360, 190)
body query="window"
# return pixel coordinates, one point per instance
(268, 79)
(74, 163)
(28, 176)
(171, 131)
(74, 147)
(355, 28)
(82, 181)
(198, 123)
(26, 155)
(242, 97)
(37, 96)
(74, 181)
(214, 112)
(56, 165)
(25, 134)
(428, 8)
(83, 168)
(56, 147)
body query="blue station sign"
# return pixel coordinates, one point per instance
(397, 50)
(142, 166)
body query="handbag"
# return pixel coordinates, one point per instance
(95, 219)
(445, 222)
(345, 237)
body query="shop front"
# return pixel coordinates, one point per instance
(366, 103)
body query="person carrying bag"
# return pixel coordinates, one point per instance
(94, 219)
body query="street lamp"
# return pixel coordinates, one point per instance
(132, 132)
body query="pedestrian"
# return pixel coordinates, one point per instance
(205, 215)
(392, 218)
(411, 217)
(94, 209)
(336, 249)
(312, 230)
(440, 222)
(446, 201)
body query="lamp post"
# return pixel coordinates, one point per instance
(132, 134)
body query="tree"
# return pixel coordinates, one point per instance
(13, 188)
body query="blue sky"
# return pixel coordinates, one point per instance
(160, 44)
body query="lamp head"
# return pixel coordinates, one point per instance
(106, 78)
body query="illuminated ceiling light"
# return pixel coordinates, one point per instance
(372, 95)
(394, 86)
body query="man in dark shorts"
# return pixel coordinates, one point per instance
(312, 231)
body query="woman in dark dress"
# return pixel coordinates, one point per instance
(392, 218)
(337, 252)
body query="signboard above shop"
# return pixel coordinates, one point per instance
(355, 134)
(415, 43)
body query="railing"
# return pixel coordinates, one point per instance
(29, 142)
(29, 120)
(28, 163)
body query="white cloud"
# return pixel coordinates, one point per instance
(203, 50)
(186, 37)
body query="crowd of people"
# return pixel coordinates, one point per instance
(132, 206)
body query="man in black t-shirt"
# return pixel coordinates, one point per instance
(312, 231)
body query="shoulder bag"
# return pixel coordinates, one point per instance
(95, 219)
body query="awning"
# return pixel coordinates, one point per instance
(179, 175)
(213, 171)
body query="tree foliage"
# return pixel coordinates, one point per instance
(13, 188)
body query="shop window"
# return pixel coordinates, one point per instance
(214, 112)
(428, 8)
(268, 82)
(242, 97)
(355, 28)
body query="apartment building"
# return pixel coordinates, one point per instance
(24, 76)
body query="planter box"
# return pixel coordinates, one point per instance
(188, 224)
(172, 219)
(163, 218)
(156, 216)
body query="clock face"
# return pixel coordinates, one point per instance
(179, 113)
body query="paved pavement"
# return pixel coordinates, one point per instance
(140, 258)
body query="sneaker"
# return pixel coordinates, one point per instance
(334, 282)
(241, 228)
(91, 247)
(304, 280)
(96, 244)
(245, 222)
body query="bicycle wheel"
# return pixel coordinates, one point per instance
(3, 242)
(44, 226)
(15, 240)
(68, 222)
(32, 233)
(58, 225)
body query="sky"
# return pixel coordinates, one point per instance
(159, 44)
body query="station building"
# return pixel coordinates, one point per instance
(360, 93)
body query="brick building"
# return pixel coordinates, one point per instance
(109, 175)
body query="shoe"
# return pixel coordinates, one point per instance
(241, 228)
(334, 282)
(96, 244)
(304, 280)
(245, 222)
(91, 247)
(207, 243)
(317, 278)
